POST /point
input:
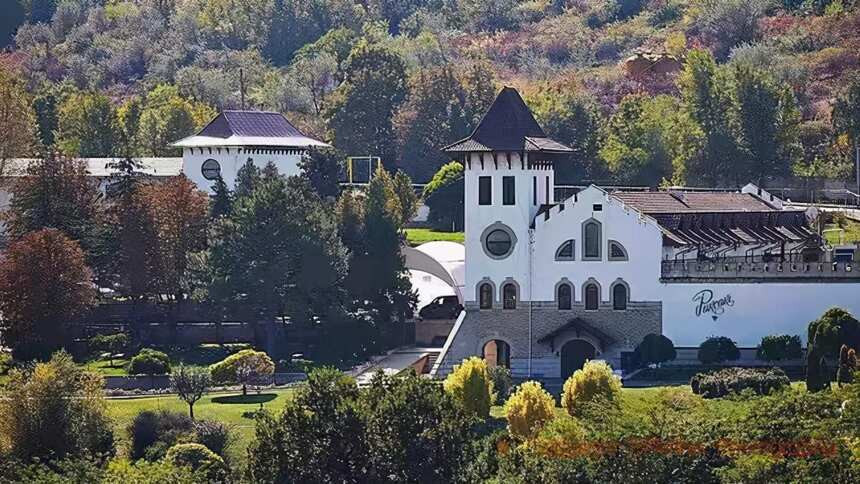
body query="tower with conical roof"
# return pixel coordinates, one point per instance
(509, 177)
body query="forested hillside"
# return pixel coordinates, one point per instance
(705, 92)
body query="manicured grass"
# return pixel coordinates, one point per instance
(417, 237)
(200, 355)
(227, 408)
(850, 235)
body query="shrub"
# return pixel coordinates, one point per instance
(215, 435)
(847, 366)
(247, 367)
(6, 362)
(595, 381)
(201, 460)
(528, 410)
(502, 383)
(152, 433)
(470, 386)
(720, 383)
(56, 410)
(654, 348)
(444, 196)
(149, 362)
(779, 347)
(827, 334)
(111, 344)
(717, 349)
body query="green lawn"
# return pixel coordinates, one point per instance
(223, 407)
(417, 237)
(200, 355)
(850, 232)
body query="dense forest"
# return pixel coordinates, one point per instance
(705, 92)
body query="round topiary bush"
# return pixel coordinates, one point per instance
(199, 459)
(779, 347)
(471, 386)
(247, 367)
(149, 362)
(654, 349)
(595, 382)
(717, 349)
(528, 410)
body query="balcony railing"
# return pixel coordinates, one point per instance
(742, 268)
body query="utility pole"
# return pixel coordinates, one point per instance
(242, 87)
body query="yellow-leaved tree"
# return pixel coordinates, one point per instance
(528, 410)
(470, 385)
(595, 382)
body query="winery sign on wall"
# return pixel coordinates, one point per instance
(707, 304)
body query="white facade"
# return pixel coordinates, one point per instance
(231, 158)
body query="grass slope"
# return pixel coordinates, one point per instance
(417, 237)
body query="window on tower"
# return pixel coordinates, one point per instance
(592, 297)
(591, 240)
(508, 190)
(509, 296)
(485, 190)
(564, 294)
(486, 295)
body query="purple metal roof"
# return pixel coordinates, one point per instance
(250, 123)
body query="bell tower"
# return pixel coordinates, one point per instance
(509, 174)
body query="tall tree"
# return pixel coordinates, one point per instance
(769, 123)
(707, 97)
(323, 168)
(846, 114)
(132, 233)
(87, 126)
(45, 285)
(47, 118)
(17, 119)
(361, 110)
(167, 117)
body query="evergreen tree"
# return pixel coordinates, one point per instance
(222, 200)
(323, 168)
(247, 179)
(47, 118)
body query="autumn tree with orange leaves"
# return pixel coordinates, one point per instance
(45, 285)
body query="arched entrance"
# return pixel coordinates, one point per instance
(497, 353)
(574, 354)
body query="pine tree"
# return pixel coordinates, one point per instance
(222, 200)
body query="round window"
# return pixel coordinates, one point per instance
(498, 242)
(211, 169)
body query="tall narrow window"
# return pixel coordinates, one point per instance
(565, 296)
(485, 294)
(619, 297)
(534, 190)
(546, 189)
(509, 296)
(591, 240)
(485, 190)
(592, 297)
(508, 191)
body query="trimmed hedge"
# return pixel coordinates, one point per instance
(720, 383)
(149, 362)
(779, 347)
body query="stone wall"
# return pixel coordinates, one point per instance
(626, 328)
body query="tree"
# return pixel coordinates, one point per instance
(827, 334)
(846, 113)
(278, 253)
(444, 195)
(58, 411)
(205, 463)
(190, 384)
(717, 349)
(17, 119)
(323, 167)
(707, 99)
(112, 344)
(87, 126)
(150, 362)
(177, 213)
(360, 111)
(167, 117)
(471, 387)
(655, 348)
(406, 197)
(594, 383)
(47, 118)
(56, 192)
(847, 366)
(779, 347)
(247, 179)
(528, 410)
(45, 285)
(247, 367)
(768, 122)
(731, 22)
(221, 203)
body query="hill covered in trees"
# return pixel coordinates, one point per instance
(705, 92)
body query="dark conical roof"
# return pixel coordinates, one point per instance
(508, 126)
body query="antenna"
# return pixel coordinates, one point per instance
(242, 87)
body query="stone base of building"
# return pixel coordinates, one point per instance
(547, 350)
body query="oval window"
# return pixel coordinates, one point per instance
(498, 242)
(211, 169)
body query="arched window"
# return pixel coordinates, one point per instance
(591, 240)
(509, 296)
(619, 296)
(617, 252)
(497, 353)
(564, 294)
(592, 297)
(565, 251)
(485, 295)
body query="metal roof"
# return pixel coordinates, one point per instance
(249, 128)
(692, 202)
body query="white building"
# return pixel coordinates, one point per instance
(549, 284)
(235, 137)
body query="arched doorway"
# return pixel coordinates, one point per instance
(497, 353)
(574, 354)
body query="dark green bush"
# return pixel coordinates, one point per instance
(444, 196)
(654, 348)
(502, 383)
(153, 433)
(149, 362)
(205, 463)
(779, 347)
(215, 435)
(717, 349)
(720, 383)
